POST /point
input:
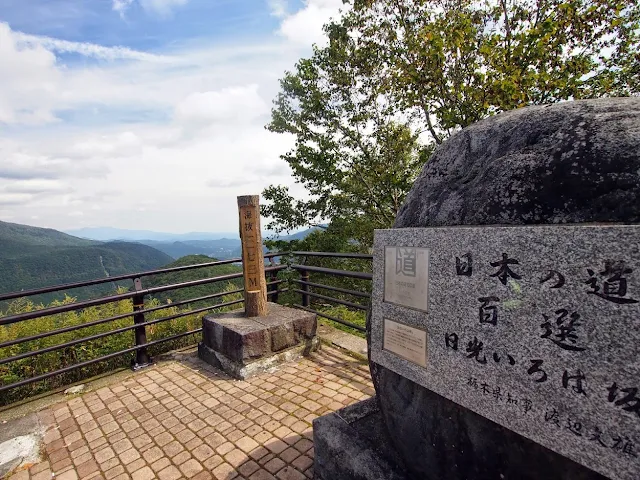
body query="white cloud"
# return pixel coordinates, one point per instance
(158, 7)
(121, 6)
(278, 8)
(14, 198)
(29, 78)
(233, 104)
(198, 142)
(83, 48)
(305, 26)
(35, 186)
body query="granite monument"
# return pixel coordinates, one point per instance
(503, 328)
(568, 163)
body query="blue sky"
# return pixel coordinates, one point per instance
(145, 114)
(149, 26)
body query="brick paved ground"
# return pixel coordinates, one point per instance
(183, 419)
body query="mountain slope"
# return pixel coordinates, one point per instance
(32, 257)
(17, 240)
(222, 248)
(196, 274)
(58, 265)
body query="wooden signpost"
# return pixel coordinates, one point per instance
(255, 284)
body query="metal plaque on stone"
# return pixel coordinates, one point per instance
(535, 328)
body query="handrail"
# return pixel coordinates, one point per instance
(334, 319)
(113, 332)
(43, 312)
(127, 276)
(333, 271)
(114, 318)
(86, 363)
(355, 293)
(332, 299)
(138, 323)
(362, 256)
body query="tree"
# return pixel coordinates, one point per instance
(353, 154)
(457, 61)
(399, 76)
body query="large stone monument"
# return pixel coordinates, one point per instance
(503, 342)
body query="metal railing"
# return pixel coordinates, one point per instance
(137, 294)
(308, 295)
(331, 286)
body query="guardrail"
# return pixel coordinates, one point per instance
(306, 286)
(139, 324)
(330, 285)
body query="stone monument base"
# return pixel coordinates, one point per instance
(243, 347)
(353, 444)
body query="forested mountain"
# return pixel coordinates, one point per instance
(196, 274)
(32, 257)
(16, 239)
(222, 248)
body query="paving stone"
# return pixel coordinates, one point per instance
(173, 448)
(198, 425)
(190, 468)
(104, 455)
(68, 475)
(43, 475)
(246, 444)
(274, 465)
(181, 458)
(135, 465)
(290, 473)
(160, 464)
(169, 473)
(262, 475)
(224, 472)
(202, 452)
(153, 454)
(114, 472)
(144, 473)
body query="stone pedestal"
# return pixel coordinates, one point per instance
(243, 347)
(352, 444)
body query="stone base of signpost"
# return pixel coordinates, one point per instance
(243, 347)
(353, 443)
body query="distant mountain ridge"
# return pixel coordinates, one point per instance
(104, 234)
(218, 245)
(33, 257)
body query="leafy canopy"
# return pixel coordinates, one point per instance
(399, 76)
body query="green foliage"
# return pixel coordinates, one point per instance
(355, 157)
(455, 62)
(333, 239)
(50, 361)
(33, 257)
(190, 275)
(398, 77)
(357, 317)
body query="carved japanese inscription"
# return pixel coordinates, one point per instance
(535, 328)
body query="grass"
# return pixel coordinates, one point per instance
(357, 317)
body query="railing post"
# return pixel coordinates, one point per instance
(304, 276)
(273, 277)
(142, 356)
